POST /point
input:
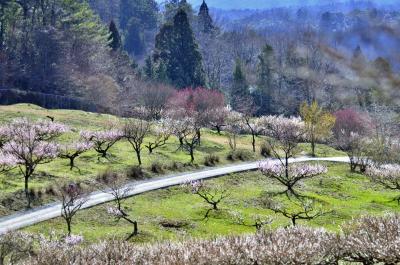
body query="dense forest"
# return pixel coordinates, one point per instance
(96, 53)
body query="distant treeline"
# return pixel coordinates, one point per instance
(49, 101)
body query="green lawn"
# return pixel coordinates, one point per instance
(346, 195)
(54, 174)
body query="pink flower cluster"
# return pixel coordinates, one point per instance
(75, 147)
(110, 135)
(73, 240)
(114, 211)
(274, 168)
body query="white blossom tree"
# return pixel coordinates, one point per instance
(372, 240)
(162, 131)
(386, 175)
(211, 194)
(234, 126)
(31, 144)
(291, 175)
(135, 131)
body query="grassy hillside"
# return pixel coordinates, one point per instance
(345, 195)
(50, 176)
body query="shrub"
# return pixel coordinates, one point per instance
(135, 172)
(265, 150)
(176, 166)
(242, 155)
(211, 160)
(157, 167)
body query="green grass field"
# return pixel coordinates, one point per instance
(345, 195)
(122, 155)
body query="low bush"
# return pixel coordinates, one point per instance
(265, 150)
(242, 155)
(369, 240)
(157, 167)
(135, 172)
(211, 160)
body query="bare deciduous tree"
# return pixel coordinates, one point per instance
(135, 131)
(72, 200)
(114, 184)
(212, 195)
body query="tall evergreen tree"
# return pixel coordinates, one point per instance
(177, 49)
(114, 39)
(172, 8)
(240, 89)
(263, 95)
(134, 40)
(205, 21)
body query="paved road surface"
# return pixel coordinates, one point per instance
(47, 212)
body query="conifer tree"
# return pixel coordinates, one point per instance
(177, 49)
(240, 89)
(114, 39)
(263, 94)
(205, 21)
(134, 41)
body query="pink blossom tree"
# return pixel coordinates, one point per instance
(31, 144)
(73, 150)
(102, 140)
(7, 162)
(198, 104)
(352, 134)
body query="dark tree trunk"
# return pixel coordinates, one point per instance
(254, 142)
(139, 158)
(71, 163)
(294, 221)
(198, 132)
(69, 228)
(191, 154)
(313, 148)
(27, 195)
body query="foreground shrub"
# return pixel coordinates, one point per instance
(298, 245)
(211, 160)
(242, 155)
(265, 150)
(135, 172)
(372, 240)
(157, 167)
(369, 240)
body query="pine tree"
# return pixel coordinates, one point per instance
(263, 94)
(240, 89)
(149, 69)
(172, 8)
(177, 48)
(205, 21)
(114, 39)
(134, 41)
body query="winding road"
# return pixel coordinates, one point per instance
(50, 211)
